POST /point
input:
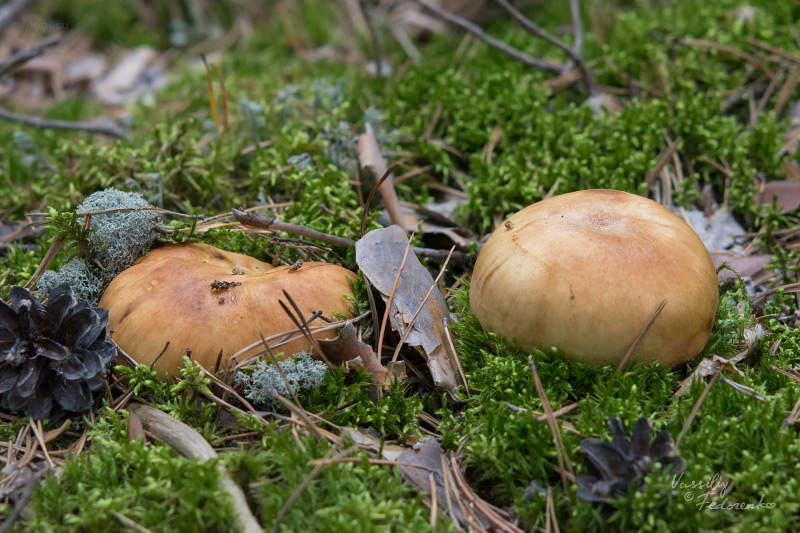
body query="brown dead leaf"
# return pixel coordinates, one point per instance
(461, 237)
(748, 266)
(785, 193)
(135, 428)
(15, 477)
(369, 439)
(707, 368)
(427, 459)
(129, 79)
(379, 255)
(718, 230)
(371, 159)
(347, 346)
(426, 467)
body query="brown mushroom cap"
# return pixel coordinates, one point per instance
(167, 296)
(585, 271)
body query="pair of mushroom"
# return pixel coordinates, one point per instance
(200, 298)
(584, 272)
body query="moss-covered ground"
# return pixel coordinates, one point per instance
(705, 75)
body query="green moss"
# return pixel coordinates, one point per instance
(550, 140)
(146, 483)
(344, 497)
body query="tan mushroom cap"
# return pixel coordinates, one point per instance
(585, 271)
(167, 296)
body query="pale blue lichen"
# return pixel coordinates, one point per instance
(119, 237)
(302, 372)
(83, 279)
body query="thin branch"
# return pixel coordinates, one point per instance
(475, 30)
(12, 10)
(373, 35)
(23, 56)
(574, 53)
(272, 223)
(577, 26)
(103, 126)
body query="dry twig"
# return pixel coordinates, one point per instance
(189, 443)
(475, 30)
(573, 52)
(26, 55)
(103, 126)
(272, 223)
(12, 10)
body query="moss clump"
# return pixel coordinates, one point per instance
(148, 484)
(344, 497)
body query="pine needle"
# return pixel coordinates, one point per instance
(212, 101)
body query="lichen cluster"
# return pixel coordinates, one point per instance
(302, 373)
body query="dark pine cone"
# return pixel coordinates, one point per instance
(616, 464)
(56, 353)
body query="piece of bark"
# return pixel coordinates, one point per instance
(190, 443)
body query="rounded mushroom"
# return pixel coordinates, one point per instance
(586, 271)
(204, 299)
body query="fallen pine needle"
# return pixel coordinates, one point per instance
(564, 464)
(696, 407)
(642, 333)
(306, 482)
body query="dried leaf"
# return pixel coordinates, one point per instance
(135, 428)
(748, 266)
(379, 255)
(129, 79)
(429, 457)
(369, 439)
(14, 477)
(348, 347)
(717, 231)
(707, 368)
(426, 467)
(370, 158)
(461, 237)
(785, 193)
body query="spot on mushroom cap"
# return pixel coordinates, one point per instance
(585, 271)
(167, 295)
